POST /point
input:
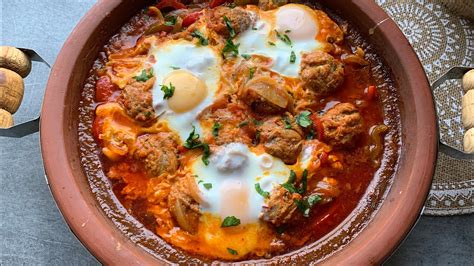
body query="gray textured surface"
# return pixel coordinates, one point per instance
(32, 230)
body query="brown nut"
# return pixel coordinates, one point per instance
(15, 60)
(6, 119)
(11, 90)
(469, 141)
(468, 80)
(467, 112)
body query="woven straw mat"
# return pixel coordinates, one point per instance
(442, 40)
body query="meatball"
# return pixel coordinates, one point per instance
(183, 208)
(281, 142)
(342, 125)
(137, 100)
(320, 72)
(158, 153)
(266, 96)
(280, 207)
(239, 19)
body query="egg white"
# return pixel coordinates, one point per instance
(202, 62)
(234, 170)
(292, 20)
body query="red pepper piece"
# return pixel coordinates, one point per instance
(176, 4)
(97, 128)
(104, 88)
(215, 3)
(318, 126)
(191, 18)
(371, 92)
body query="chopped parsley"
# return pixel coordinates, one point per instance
(207, 185)
(257, 137)
(292, 57)
(283, 37)
(232, 251)
(305, 205)
(287, 122)
(243, 123)
(257, 122)
(168, 91)
(290, 186)
(230, 221)
(143, 77)
(170, 20)
(310, 135)
(215, 129)
(271, 43)
(193, 142)
(245, 56)
(175, 67)
(260, 191)
(200, 181)
(281, 229)
(229, 27)
(254, 28)
(251, 72)
(230, 49)
(202, 39)
(287, 31)
(303, 119)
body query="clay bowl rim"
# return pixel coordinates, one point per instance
(87, 220)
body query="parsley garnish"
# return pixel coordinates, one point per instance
(215, 129)
(207, 185)
(305, 205)
(292, 57)
(193, 142)
(144, 76)
(271, 43)
(243, 123)
(251, 72)
(260, 191)
(202, 39)
(230, 221)
(230, 49)
(229, 27)
(257, 136)
(310, 134)
(284, 38)
(170, 20)
(290, 186)
(303, 119)
(257, 122)
(232, 251)
(175, 67)
(287, 31)
(287, 122)
(168, 91)
(245, 56)
(253, 28)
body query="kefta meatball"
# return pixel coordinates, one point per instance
(281, 142)
(280, 207)
(158, 152)
(321, 73)
(183, 207)
(342, 125)
(137, 100)
(239, 19)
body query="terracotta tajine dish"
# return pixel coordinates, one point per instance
(383, 217)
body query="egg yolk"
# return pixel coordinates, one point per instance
(189, 91)
(297, 21)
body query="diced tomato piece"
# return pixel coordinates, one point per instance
(176, 4)
(191, 18)
(97, 128)
(318, 126)
(104, 88)
(215, 3)
(371, 92)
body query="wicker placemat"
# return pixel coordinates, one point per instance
(442, 40)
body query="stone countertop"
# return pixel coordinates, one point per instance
(32, 230)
